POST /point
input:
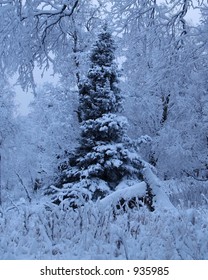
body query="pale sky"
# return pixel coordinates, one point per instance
(23, 99)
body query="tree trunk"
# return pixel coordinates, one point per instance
(165, 102)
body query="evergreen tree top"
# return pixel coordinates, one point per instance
(99, 94)
(103, 51)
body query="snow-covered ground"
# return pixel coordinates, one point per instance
(38, 230)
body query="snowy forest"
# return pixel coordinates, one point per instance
(111, 161)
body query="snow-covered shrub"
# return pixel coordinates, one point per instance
(187, 192)
(44, 231)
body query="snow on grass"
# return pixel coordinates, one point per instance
(39, 230)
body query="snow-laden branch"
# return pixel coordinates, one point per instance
(53, 11)
(110, 201)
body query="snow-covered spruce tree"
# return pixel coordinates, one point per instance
(105, 154)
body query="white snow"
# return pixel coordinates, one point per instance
(138, 190)
(36, 231)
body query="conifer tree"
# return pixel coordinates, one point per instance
(102, 152)
(105, 153)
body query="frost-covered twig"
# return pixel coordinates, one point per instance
(14, 205)
(195, 178)
(24, 187)
(204, 197)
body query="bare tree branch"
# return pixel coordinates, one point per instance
(26, 191)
